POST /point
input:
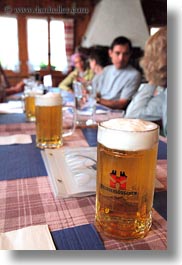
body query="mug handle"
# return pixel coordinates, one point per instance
(70, 112)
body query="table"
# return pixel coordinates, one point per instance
(28, 200)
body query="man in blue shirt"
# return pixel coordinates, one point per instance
(119, 81)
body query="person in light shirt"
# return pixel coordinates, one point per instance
(150, 102)
(120, 80)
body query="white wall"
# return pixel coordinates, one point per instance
(113, 18)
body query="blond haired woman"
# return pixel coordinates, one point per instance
(150, 102)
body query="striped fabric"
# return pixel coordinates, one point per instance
(69, 37)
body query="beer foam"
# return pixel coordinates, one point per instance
(128, 134)
(33, 93)
(49, 99)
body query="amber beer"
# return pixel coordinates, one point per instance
(126, 164)
(29, 100)
(49, 121)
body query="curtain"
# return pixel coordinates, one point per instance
(69, 37)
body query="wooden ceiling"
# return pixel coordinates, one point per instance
(155, 10)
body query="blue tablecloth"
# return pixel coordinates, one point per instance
(12, 118)
(21, 161)
(160, 203)
(84, 237)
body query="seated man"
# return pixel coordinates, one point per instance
(120, 80)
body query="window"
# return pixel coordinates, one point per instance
(9, 53)
(37, 36)
(41, 44)
(32, 43)
(57, 45)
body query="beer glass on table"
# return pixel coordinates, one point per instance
(51, 120)
(126, 164)
(29, 102)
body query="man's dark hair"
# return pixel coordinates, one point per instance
(121, 40)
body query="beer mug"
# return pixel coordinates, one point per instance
(29, 101)
(51, 119)
(126, 164)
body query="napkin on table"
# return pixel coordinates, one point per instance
(29, 238)
(15, 139)
(11, 107)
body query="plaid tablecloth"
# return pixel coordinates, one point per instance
(30, 201)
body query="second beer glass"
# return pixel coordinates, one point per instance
(29, 101)
(49, 120)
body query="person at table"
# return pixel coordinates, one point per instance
(81, 72)
(150, 102)
(98, 59)
(6, 87)
(119, 80)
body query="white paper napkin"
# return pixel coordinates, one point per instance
(29, 238)
(15, 139)
(11, 107)
(102, 111)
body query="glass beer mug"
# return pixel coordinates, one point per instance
(51, 119)
(126, 165)
(31, 90)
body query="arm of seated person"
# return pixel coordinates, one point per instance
(15, 89)
(66, 84)
(141, 104)
(114, 104)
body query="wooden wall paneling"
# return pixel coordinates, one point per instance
(23, 53)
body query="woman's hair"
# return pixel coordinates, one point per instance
(81, 55)
(154, 62)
